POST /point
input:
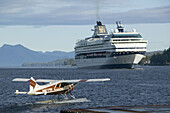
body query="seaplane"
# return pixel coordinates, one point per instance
(61, 88)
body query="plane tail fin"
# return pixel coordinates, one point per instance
(33, 84)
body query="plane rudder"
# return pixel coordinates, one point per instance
(33, 84)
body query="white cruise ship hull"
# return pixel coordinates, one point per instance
(121, 61)
(119, 49)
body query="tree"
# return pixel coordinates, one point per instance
(161, 59)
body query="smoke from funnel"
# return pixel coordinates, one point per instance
(97, 9)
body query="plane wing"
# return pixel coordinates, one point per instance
(21, 79)
(38, 80)
(72, 81)
(86, 80)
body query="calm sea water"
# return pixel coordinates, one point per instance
(141, 86)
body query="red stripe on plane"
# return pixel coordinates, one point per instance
(32, 83)
(53, 86)
(83, 80)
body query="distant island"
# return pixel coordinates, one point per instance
(55, 63)
(159, 58)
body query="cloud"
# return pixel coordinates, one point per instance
(149, 15)
(65, 12)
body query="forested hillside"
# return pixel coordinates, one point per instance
(157, 58)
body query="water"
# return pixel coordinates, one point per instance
(147, 85)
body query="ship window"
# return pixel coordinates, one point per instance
(127, 36)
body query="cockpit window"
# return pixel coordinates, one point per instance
(57, 85)
(64, 84)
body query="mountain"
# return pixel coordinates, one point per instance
(15, 55)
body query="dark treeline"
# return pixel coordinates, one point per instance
(157, 59)
(55, 63)
(161, 58)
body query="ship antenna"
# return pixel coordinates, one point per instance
(117, 24)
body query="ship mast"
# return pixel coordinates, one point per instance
(120, 26)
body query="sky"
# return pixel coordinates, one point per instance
(49, 25)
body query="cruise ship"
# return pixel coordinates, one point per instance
(119, 49)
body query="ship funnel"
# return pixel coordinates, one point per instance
(99, 30)
(99, 23)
